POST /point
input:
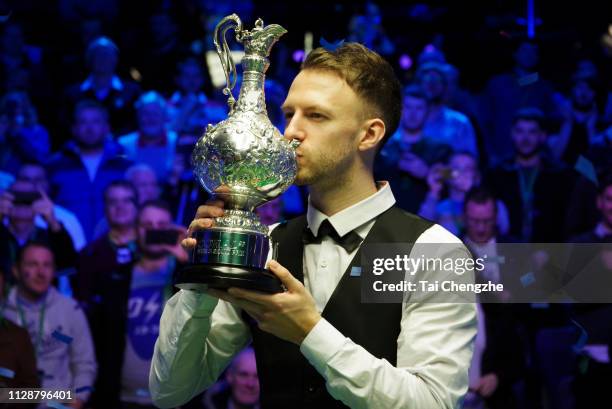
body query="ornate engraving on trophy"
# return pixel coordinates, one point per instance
(244, 161)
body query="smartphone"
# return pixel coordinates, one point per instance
(162, 236)
(25, 198)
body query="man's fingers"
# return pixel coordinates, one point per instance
(253, 296)
(43, 194)
(215, 202)
(288, 280)
(199, 224)
(189, 243)
(248, 306)
(208, 211)
(222, 295)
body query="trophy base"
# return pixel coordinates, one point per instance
(200, 277)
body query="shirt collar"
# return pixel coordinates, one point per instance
(116, 84)
(358, 217)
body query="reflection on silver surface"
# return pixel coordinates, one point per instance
(244, 159)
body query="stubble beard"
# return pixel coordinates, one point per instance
(323, 171)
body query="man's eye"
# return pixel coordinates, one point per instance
(316, 115)
(288, 115)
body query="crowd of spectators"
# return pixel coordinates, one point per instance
(95, 147)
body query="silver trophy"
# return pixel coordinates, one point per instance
(244, 161)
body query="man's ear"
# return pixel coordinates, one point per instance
(374, 131)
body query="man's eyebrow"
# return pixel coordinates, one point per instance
(315, 107)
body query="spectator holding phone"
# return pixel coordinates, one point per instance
(408, 156)
(457, 179)
(18, 207)
(36, 173)
(129, 307)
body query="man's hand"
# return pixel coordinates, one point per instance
(290, 315)
(487, 385)
(204, 219)
(435, 180)
(176, 249)
(44, 207)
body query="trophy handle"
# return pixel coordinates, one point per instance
(223, 50)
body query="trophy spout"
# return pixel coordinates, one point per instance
(259, 41)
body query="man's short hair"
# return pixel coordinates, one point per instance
(121, 184)
(138, 167)
(151, 97)
(84, 104)
(100, 43)
(479, 195)
(369, 75)
(32, 243)
(415, 91)
(530, 114)
(439, 67)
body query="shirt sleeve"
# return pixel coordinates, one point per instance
(434, 350)
(198, 337)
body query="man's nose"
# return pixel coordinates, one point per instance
(294, 130)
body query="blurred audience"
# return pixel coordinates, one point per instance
(22, 139)
(535, 187)
(18, 208)
(239, 389)
(506, 93)
(189, 109)
(444, 125)
(144, 179)
(17, 360)
(116, 248)
(406, 158)
(129, 307)
(103, 84)
(56, 324)
(152, 143)
(457, 179)
(581, 127)
(36, 174)
(80, 171)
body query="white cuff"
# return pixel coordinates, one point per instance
(321, 343)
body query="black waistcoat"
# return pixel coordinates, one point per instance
(287, 380)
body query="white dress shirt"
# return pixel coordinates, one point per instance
(199, 335)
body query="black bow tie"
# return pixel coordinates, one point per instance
(350, 241)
